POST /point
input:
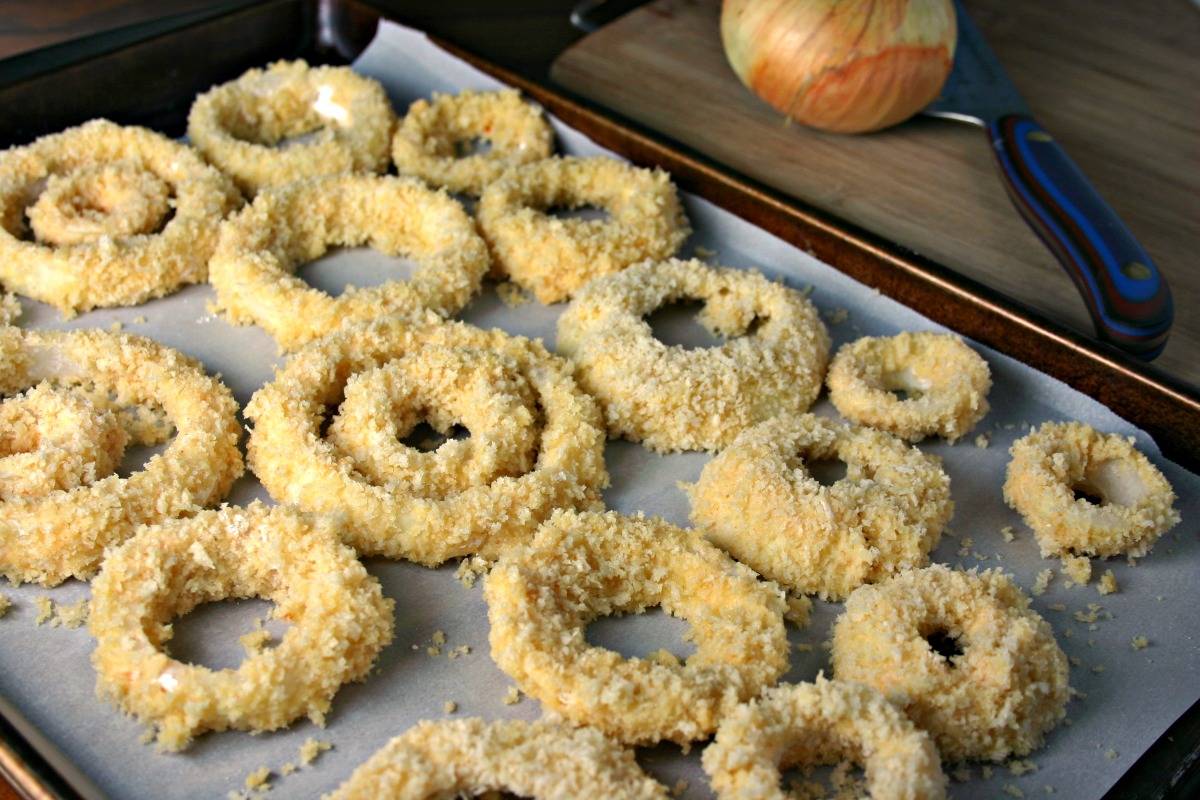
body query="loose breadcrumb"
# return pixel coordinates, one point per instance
(1057, 607)
(837, 316)
(311, 749)
(470, 569)
(982, 441)
(287, 769)
(459, 652)
(962, 774)
(704, 252)
(799, 610)
(512, 295)
(449, 707)
(679, 788)
(140, 319)
(1108, 583)
(45, 609)
(439, 638)
(803, 647)
(1020, 767)
(433, 651)
(1008, 533)
(115, 327)
(5, 604)
(1140, 643)
(512, 696)
(1043, 581)
(255, 641)
(1078, 569)
(1110, 754)
(1012, 791)
(987, 772)
(72, 616)
(965, 546)
(259, 780)
(1090, 616)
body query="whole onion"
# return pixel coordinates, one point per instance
(841, 65)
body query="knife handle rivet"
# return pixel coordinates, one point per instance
(1135, 270)
(1039, 136)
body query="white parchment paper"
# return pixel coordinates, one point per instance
(1131, 695)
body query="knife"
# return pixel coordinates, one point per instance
(1126, 295)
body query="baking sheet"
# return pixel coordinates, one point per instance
(1131, 695)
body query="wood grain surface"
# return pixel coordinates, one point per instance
(1114, 81)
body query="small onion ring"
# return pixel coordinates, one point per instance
(553, 257)
(63, 534)
(672, 398)
(580, 566)
(297, 466)
(470, 757)
(114, 269)
(758, 502)
(997, 698)
(116, 200)
(813, 723)
(1049, 464)
(260, 249)
(429, 136)
(345, 117)
(340, 620)
(946, 381)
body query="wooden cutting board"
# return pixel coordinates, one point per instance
(1118, 84)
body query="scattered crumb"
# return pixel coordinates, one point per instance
(469, 570)
(512, 696)
(140, 319)
(1110, 754)
(1012, 791)
(259, 779)
(148, 736)
(1078, 569)
(433, 651)
(438, 638)
(255, 641)
(5, 604)
(965, 546)
(1098, 668)
(803, 647)
(664, 657)
(1140, 643)
(1048, 789)
(1108, 583)
(449, 707)
(72, 616)
(799, 610)
(287, 769)
(1008, 533)
(311, 749)
(459, 652)
(837, 316)
(962, 774)
(1090, 616)
(1075, 661)
(1043, 581)
(1057, 607)
(116, 327)
(45, 609)
(1021, 767)
(987, 772)
(511, 295)
(982, 441)
(704, 252)
(679, 788)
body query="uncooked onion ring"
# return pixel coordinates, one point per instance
(813, 723)
(998, 696)
(337, 120)
(261, 248)
(554, 257)
(339, 618)
(673, 398)
(579, 567)
(470, 758)
(757, 501)
(429, 138)
(945, 383)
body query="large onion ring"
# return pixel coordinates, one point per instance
(553, 257)
(63, 534)
(582, 566)
(427, 141)
(470, 757)
(345, 119)
(1051, 463)
(757, 501)
(297, 466)
(140, 252)
(340, 620)
(997, 698)
(815, 723)
(672, 398)
(260, 249)
(946, 383)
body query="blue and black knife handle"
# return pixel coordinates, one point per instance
(1126, 294)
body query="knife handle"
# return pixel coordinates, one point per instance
(1127, 296)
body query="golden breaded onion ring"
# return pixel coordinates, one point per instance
(63, 534)
(429, 138)
(757, 501)
(945, 382)
(672, 398)
(345, 119)
(97, 189)
(340, 620)
(1049, 465)
(470, 758)
(818, 723)
(996, 698)
(261, 248)
(554, 257)
(581, 566)
(297, 466)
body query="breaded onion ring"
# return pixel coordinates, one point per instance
(1051, 464)
(579, 567)
(261, 247)
(470, 757)
(820, 723)
(946, 383)
(554, 257)
(63, 534)
(297, 466)
(997, 697)
(241, 126)
(673, 398)
(339, 618)
(757, 501)
(104, 203)
(428, 141)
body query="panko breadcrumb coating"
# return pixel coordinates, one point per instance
(554, 257)
(946, 383)
(345, 120)
(63, 534)
(579, 567)
(672, 398)
(1049, 465)
(428, 140)
(102, 203)
(995, 698)
(758, 502)
(471, 758)
(822, 723)
(296, 465)
(253, 269)
(339, 618)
